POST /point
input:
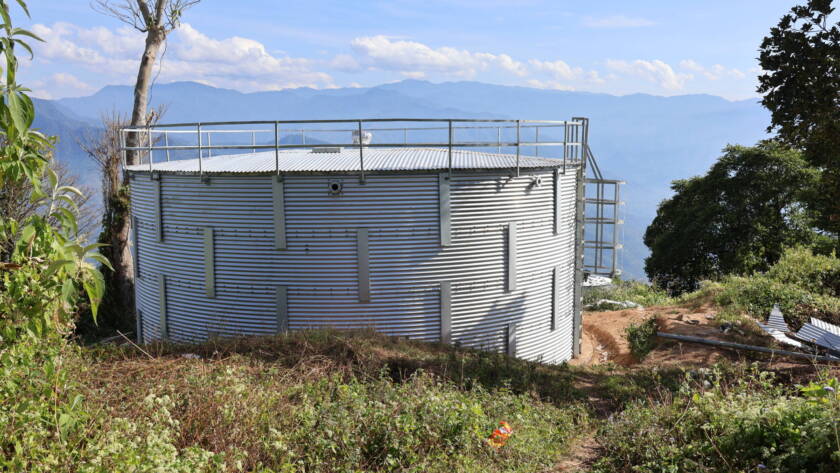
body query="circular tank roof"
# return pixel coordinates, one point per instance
(333, 160)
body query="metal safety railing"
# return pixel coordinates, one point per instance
(141, 143)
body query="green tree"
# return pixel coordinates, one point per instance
(736, 219)
(801, 88)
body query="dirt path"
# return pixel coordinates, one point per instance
(584, 452)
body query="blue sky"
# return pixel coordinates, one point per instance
(618, 47)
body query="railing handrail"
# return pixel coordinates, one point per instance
(574, 140)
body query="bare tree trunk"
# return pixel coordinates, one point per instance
(141, 93)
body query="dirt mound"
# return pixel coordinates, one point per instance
(603, 337)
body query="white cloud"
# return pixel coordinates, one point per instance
(548, 84)
(558, 69)
(190, 55)
(62, 84)
(617, 21)
(714, 72)
(654, 71)
(411, 57)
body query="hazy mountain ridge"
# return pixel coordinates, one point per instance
(646, 140)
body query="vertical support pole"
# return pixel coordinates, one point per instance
(511, 339)
(200, 170)
(209, 145)
(254, 140)
(361, 154)
(278, 189)
(166, 144)
(277, 148)
(511, 257)
(446, 311)
(557, 195)
(450, 148)
(444, 202)
(537, 147)
(164, 327)
(499, 140)
(555, 294)
(517, 147)
(405, 136)
(158, 210)
(363, 261)
(281, 296)
(302, 136)
(209, 263)
(616, 222)
(578, 268)
(565, 144)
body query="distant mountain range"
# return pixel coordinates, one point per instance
(646, 140)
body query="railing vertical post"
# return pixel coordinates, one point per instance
(537, 139)
(277, 148)
(302, 137)
(565, 144)
(450, 148)
(149, 133)
(499, 140)
(254, 141)
(166, 143)
(361, 153)
(405, 135)
(517, 147)
(209, 146)
(200, 168)
(122, 147)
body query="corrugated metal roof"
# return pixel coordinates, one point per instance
(347, 160)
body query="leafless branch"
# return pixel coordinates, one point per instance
(145, 15)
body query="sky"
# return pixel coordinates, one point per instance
(660, 47)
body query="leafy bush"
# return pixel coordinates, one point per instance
(635, 291)
(753, 425)
(801, 283)
(641, 337)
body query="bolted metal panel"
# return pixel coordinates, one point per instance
(557, 203)
(282, 296)
(139, 327)
(320, 266)
(209, 263)
(511, 339)
(279, 193)
(363, 255)
(161, 288)
(446, 311)
(445, 210)
(158, 221)
(555, 293)
(511, 257)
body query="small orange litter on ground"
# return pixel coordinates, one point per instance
(499, 436)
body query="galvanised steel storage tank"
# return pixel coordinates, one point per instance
(438, 239)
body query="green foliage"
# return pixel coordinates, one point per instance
(710, 426)
(634, 291)
(423, 424)
(46, 269)
(804, 285)
(801, 86)
(641, 337)
(736, 219)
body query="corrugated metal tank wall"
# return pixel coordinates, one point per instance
(320, 271)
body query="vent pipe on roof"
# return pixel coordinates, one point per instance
(367, 137)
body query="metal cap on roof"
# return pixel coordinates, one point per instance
(347, 160)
